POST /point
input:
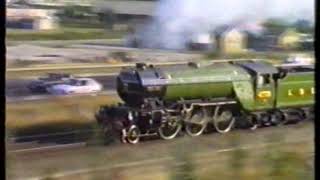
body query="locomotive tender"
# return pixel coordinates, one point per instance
(197, 96)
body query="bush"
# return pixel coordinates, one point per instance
(74, 11)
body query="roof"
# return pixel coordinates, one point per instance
(248, 27)
(252, 27)
(254, 34)
(28, 13)
(225, 29)
(260, 68)
(221, 29)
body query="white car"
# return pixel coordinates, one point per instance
(76, 86)
(300, 59)
(201, 41)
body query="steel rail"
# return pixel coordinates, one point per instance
(47, 148)
(11, 140)
(50, 134)
(67, 137)
(79, 143)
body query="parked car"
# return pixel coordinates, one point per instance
(75, 86)
(299, 59)
(43, 83)
(201, 41)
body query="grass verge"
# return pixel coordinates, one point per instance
(63, 34)
(76, 72)
(57, 115)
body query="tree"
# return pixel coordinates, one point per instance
(76, 11)
(107, 17)
(276, 25)
(303, 26)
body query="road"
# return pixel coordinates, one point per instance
(16, 89)
(80, 162)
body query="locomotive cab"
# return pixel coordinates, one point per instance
(264, 83)
(274, 85)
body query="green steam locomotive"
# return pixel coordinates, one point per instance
(197, 97)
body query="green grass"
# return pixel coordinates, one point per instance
(63, 34)
(74, 71)
(56, 115)
(108, 58)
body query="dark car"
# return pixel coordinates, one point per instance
(42, 83)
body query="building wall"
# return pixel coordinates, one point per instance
(233, 42)
(44, 24)
(38, 19)
(262, 42)
(289, 39)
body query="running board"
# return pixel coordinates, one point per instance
(210, 103)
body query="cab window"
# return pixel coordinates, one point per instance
(263, 79)
(83, 83)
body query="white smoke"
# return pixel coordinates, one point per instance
(176, 19)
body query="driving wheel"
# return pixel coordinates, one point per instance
(133, 135)
(223, 119)
(197, 123)
(170, 128)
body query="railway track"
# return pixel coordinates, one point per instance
(50, 141)
(78, 138)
